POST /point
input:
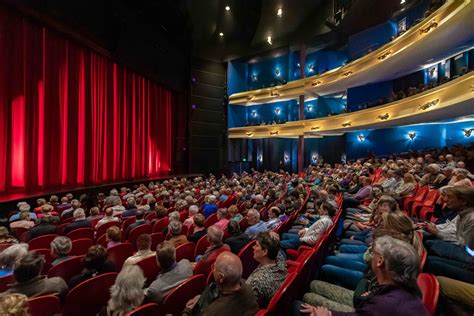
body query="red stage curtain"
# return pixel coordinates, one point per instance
(71, 117)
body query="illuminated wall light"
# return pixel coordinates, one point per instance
(269, 40)
(249, 134)
(314, 158)
(402, 2)
(254, 77)
(227, 8)
(286, 158)
(254, 113)
(310, 68)
(280, 12)
(298, 65)
(277, 111)
(277, 72)
(260, 158)
(411, 135)
(361, 138)
(309, 108)
(468, 132)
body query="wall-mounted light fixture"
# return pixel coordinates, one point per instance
(249, 134)
(384, 55)
(277, 72)
(310, 68)
(411, 135)
(468, 132)
(315, 128)
(428, 105)
(254, 113)
(347, 74)
(298, 65)
(269, 40)
(315, 83)
(254, 77)
(309, 108)
(277, 111)
(433, 24)
(260, 158)
(347, 124)
(384, 116)
(314, 158)
(274, 93)
(361, 138)
(286, 158)
(273, 133)
(280, 12)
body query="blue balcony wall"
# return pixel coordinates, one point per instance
(324, 107)
(268, 73)
(358, 97)
(369, 40)
(237, 77)
(237, 116)
(382, 142)
(322, 61)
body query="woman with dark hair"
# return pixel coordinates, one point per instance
(237, 239)
(267, 277)
(95, 263)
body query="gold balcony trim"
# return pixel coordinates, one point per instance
(295, 88)
(449, 95)
(383, 117)
(429, 104)
(384, 55)
(347, 124)
(274, 133)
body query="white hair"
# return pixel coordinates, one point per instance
(193, 209)
(127, 292)
(12, 255)
(215, 234)
(79, 213)
(173, 216)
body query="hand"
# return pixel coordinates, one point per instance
(315, 311)
(430, 227)
(192, 302)
(301, 233)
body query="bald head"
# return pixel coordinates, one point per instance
(228, 269)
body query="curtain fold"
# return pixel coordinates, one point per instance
(71, 117)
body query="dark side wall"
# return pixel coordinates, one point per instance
(208, 117)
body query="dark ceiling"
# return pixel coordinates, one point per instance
(162, 36)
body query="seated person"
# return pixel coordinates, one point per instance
(274, 218)
(234, 214)
(237, 239)
(95, 263)
(24, 222)
(22, 207)
(227, 293)
(210, 206)
(60, 248)
(204, 263)
(256, 225)
(433, 178)
(311, 235)
(80, 221)
(113, 236)
(271, 271)
(199, 228)
(460, 178)
(174, 230)
(193, 211)
(396, 267)
(48, 210)
(10, 256)
(144, 251)
(30, 282)
(109, 217)
(171, 274)
(5, 237)
(45, 227)
(140, 220)
(131, 209)
(127, 292)
(222, 220)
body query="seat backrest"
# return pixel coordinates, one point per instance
(185, 251)
(429, 287)
(102, 240)
(175, 302)
(201, 246)
(4, 246)
(44, 305)
(80, 246)
(41, 242)
(137, 231)
(421, 193)
(243, 224)
(67, 269)
(248, 262)
(156, 239)
(160, 224)
(102, 229)
(431, 197)
(150, 216)
(5, 281)
(211, 220)
(129, 221)
(46, 252)
(150, 309)
(119, 253)
(150, 268)
(97, 292)
(86, 232)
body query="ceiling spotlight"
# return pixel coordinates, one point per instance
(269, 40)
(280, 12)
(221, 34)
(402, 2)
(227, 8)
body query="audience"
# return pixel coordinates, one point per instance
(109, 217)
(45, 227)
(113, 236)
(5, 237)
(171, 275)
(174, 230)
(237, 239)
(216, 247)
(144, 251)
(80, 221)
(222, 220)
(256, 225)
(95, 263)
(199, 228)
(13, 305)
(60, 248)
(140, 220)
(193, 211)
(10, 256)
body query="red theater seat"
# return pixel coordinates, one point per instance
(46, 305)
(81, 233)
(175, 302)
(150, 268)
(429, 287)
(248, 262)
(156, 239)
(119, 253)
(67, 269)
(201, 246)
(5, 281)
(185, 251)
(150, 309)
(211, 220)
(88, 297)
(160, 225)
(41, 242)
(137, 231)
(80, 246)
(102, 229)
